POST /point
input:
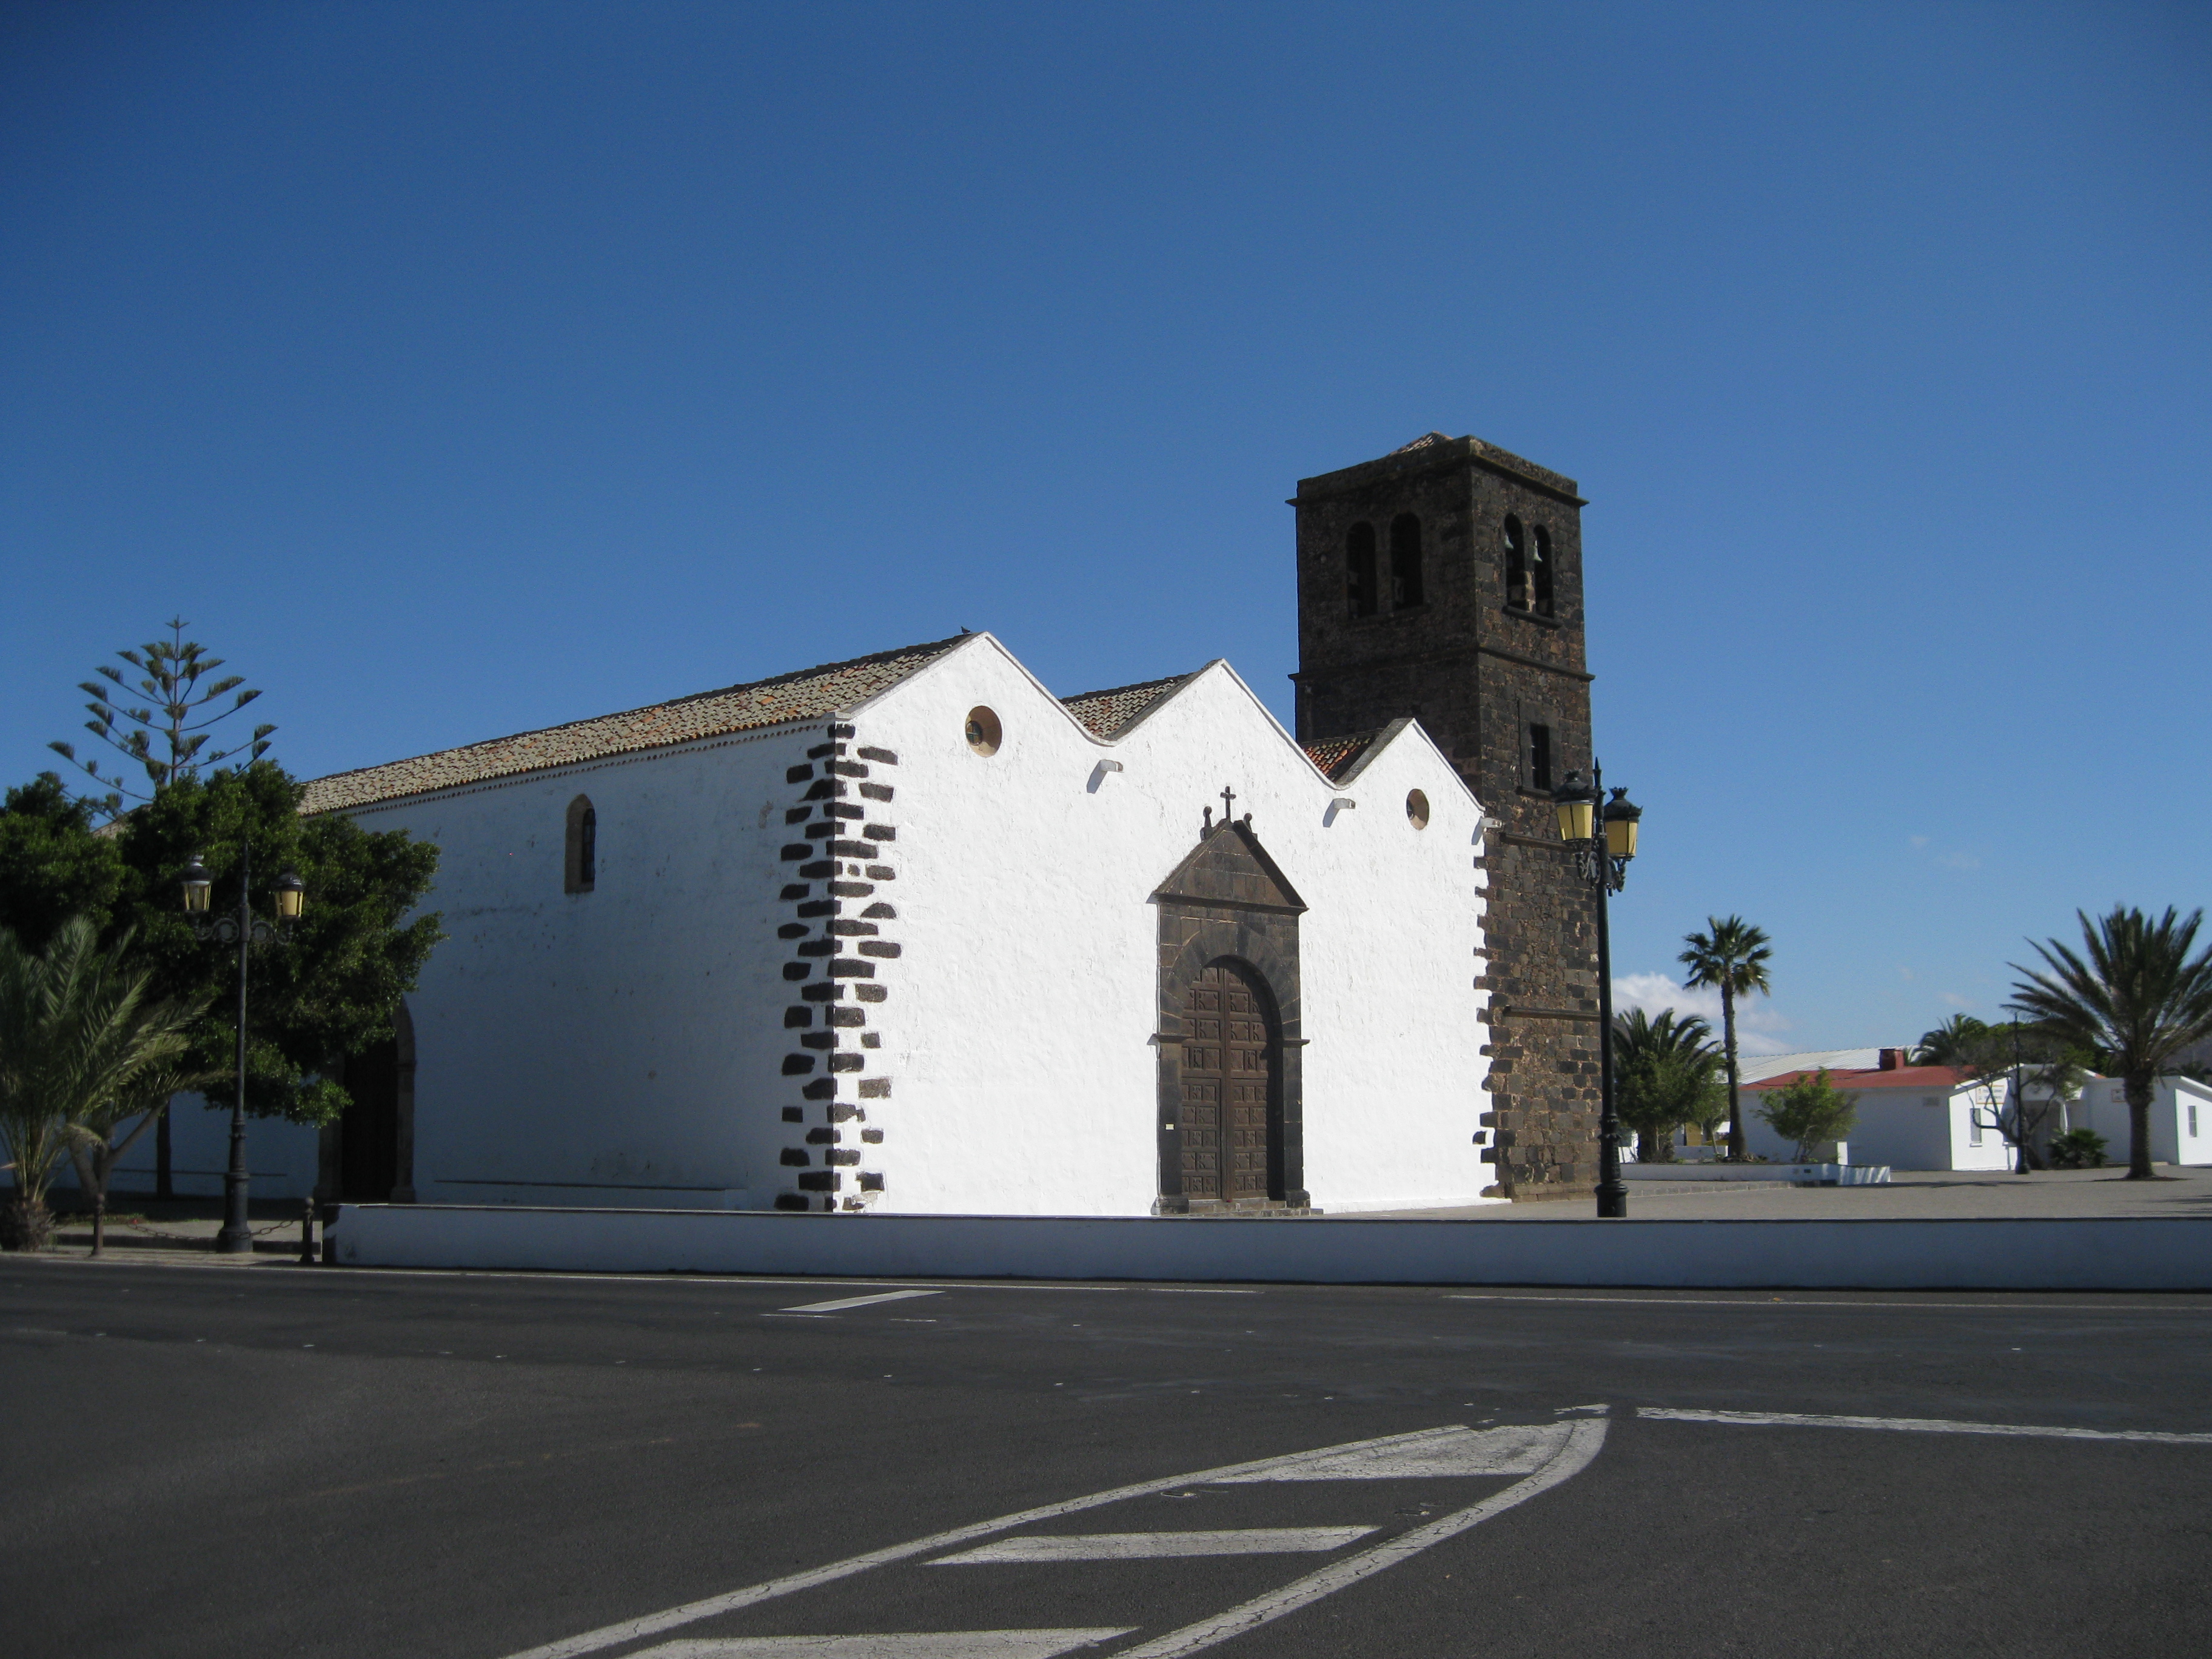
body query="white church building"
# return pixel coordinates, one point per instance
(910, 934)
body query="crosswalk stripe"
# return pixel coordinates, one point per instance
(632, 1630)
(860, 1301)
(1583, 1442)
(905, 1644)
(1452, 1453)
(1139, 1545)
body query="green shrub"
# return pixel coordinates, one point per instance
(2077, 1149)
(1809, 1111)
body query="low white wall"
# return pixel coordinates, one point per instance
(1804, 1174)
(2119, 1254)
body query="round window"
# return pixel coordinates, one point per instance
(1417, 809)
(984, 733)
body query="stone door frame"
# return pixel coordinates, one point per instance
(1200, 923)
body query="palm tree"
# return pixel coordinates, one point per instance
(2134, 997)
(1662, 1072)
(1731, 956)
(1962, 1041)
(79, 1036)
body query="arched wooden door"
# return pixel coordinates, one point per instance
(1232, 1065)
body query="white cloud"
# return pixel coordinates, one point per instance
(1757, 1023)
(1920, 841)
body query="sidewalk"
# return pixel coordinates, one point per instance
(141, 1229)
(1911, 1195)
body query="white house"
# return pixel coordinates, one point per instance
(1910, 1117)
(909, 933)
(2180, 1118)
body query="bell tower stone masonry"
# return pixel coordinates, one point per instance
(1444, 581)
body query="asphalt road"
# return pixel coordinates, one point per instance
(265, 1460)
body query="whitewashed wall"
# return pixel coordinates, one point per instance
(280, 1157)
(1020, 1017)
(2103, 1108)
(625, 1045)
(1898, 1127)
(614, 1047)
(1983, 1102)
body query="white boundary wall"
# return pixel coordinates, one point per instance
(2094, 1254)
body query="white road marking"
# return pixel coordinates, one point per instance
(1449, 1452)
(1584, 1437)
(631, 1630)
(914, 1645)
(1769, 1303)
(1919, 1425)
(859, 1301)
(1142, 1546)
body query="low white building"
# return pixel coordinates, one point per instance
(2180, 1118)
(909, 933)
(1910, 1117)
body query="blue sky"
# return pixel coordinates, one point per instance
(463, 368)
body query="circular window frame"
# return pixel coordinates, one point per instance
(1417, 809)
(984, 733)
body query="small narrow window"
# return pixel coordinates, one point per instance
(1540, 571)
(1359, 568)
(1404, 562)
(2192, 1120)
(580, 868)
(1540, 757)
(1517, 565)
(1973, 1127)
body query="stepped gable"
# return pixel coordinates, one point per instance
(1106, 715)
(1336, 756)
(810, 694)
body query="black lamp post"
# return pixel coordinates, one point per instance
(243, 930)
(1603, 834)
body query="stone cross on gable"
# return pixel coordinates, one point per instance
(1228, 804)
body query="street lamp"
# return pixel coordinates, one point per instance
(1603, 834)
(243, 930)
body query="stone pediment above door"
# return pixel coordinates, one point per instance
(1230, 870)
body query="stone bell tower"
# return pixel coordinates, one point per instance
(1445, 582)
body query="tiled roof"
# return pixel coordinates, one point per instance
(1107, 713)
(1334, 756)
(810, 694)
(1945, 1078)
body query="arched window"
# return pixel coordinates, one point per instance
(580, 868)
(1405, 561)
(1359, 568)
(1541, 570)
(1516, 564)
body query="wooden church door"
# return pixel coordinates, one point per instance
(1231, 1057)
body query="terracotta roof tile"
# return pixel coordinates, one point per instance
(1334, 756)
(1110, 713)
(810, 694)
